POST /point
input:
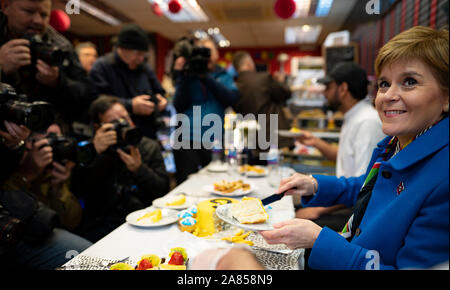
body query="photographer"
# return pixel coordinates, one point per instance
(29, 236)
(200, 82)
(125, 74)
(38, 61)
(127, 175)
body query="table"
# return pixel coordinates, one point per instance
(130, 241)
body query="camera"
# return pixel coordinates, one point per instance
(10, 229)
(65, 149)
(45, 51)
(197, 58)
(126, 135)
(36, 116)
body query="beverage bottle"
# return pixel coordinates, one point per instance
(273, 166)
(216, 152)
(232, 160)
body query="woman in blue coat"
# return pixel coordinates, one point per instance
(401, 205)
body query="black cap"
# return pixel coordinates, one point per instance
(351, 73)
(133, 37)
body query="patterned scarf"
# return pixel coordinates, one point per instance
(365, 193)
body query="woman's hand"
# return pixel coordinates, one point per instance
(296, 233)
(298, 184)
(15, 135)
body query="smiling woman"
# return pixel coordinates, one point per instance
(412, 71)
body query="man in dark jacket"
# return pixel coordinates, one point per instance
(125, 74)
(62, 83)
(260, 93)
(119, 182)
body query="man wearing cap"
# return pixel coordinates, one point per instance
(124, 73)
(346, 91)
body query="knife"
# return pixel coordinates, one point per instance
(272, 198)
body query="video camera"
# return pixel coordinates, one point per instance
(45, 51)
(65, 149)
(125, 134)
(197, 57)
(36, 116)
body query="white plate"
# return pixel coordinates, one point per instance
(161, 202)
(224, 213)
(255, 174)
(169, 216)
(238, 192)
(289, 134)
(217, 167)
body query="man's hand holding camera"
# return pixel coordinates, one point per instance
(104, 137)
(142, 105)
(133, 160)
(14, 54)
(47, 75)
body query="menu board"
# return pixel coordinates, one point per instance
(336, 54)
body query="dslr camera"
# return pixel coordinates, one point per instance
(126, 135)
(44, 50)
(197, 57)
(36, 116)
(65, 149)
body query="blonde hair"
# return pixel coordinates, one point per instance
(423, 43)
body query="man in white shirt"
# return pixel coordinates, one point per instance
(346, 91)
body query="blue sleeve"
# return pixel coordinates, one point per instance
(333, 190)
(223, 90)
(182, 99)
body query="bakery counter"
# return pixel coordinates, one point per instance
(131, 241)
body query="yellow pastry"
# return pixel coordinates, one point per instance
(176, 200)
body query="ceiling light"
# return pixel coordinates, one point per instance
(94, 11)
(190, 11)
(302, 8)
(323, 8)
(214, 33)
(302, 34)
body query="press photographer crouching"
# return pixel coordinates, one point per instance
(128, 173)
(35, 203)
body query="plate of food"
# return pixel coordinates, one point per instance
(230, 188)
(292, 133)
(248, 214)
(253, 171)
(176, 201)
(152, 217)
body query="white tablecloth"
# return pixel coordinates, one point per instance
(131, 241)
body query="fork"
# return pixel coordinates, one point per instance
(107, 265)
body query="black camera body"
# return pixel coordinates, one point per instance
(126, 135)
(36, 116)
(65, 149)
(197, 58)
(45, 51)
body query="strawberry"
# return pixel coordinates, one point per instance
(145, 264)
(176, 259)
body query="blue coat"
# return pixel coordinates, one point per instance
(406, 224)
